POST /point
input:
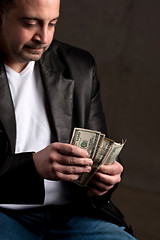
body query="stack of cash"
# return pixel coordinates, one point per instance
(101, 150)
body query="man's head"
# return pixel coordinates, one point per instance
(27, 29)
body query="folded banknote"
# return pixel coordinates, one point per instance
(101, 150)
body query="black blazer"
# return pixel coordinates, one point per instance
(73, 100)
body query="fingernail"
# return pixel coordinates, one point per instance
(88, 169)
(90, 162)
(87, 154)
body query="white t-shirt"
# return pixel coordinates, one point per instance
(32, 126)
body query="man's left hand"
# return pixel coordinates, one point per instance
(105, 179)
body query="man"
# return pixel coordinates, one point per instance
(47, 88)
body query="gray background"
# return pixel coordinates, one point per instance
(124, 38)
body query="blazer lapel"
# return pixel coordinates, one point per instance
(59, 92)
(7, 116)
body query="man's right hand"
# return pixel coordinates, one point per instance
(62, 162)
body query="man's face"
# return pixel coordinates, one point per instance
(28, 29)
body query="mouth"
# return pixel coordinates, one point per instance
(35, 49)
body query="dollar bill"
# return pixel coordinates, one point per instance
(86, 139)
(115, 151)
(102, 150)
(100, 144)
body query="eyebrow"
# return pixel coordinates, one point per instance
(38, 19)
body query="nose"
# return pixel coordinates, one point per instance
(41, 35)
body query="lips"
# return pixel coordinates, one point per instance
(34, 50)
(35, 46)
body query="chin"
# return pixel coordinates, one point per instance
(31, 57)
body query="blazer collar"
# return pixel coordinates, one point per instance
(59, 92)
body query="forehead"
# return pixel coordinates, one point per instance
(38, 8)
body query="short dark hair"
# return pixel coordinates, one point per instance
(7, 4)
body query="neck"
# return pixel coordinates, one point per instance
(18, 67)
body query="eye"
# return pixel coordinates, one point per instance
(30, 23)
(52, 24)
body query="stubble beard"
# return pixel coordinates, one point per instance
(31, 53)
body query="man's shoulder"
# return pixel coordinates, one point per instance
(62, 55)
(71, 52)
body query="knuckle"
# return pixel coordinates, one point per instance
(119, 179)
(51, 157)
(119, 166)
(114, 169)
(112, 182)
(104, 188)
(100, 177)
(71, 160)
(71, 149)
(54, 145)
(122, 168)
(73, 177)
(73, 169)
(57, 175)
(55, 168)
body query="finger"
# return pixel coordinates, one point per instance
(69, 169)
(113, 169)
(70, 160)
(98, 189)
(71, 150)
(107, 179)
(66, 177)
(95, 192)
(102, 185)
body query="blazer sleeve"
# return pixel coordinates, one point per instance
(19, 181)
